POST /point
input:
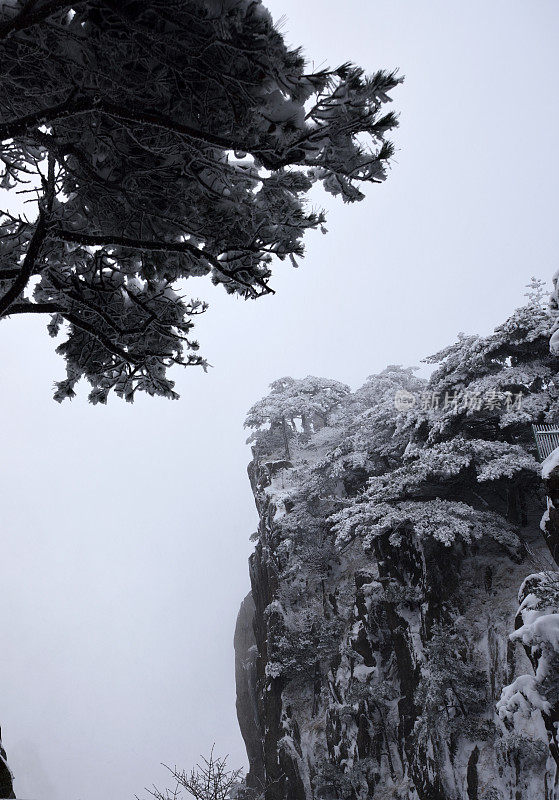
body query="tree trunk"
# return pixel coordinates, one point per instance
(285, 439)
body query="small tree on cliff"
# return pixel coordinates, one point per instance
(309, 401)
(162, 142)
(452, 690)
(368, 431)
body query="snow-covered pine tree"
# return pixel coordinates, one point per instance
(367, 437)
(470, 435)
(293, 409)
(164, 141)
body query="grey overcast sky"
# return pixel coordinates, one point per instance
(125, 529)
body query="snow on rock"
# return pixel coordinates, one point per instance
(550, 463)
(543, 632)
(359, 656)
(522, 696)
(537, 629)
(378, 671)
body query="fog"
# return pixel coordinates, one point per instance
(125, 529)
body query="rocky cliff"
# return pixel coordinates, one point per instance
(6, 777)
(381, 680)
(395, 543)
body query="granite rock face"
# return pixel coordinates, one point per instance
(247, 700)
(375, 672)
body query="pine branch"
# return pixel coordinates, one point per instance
(28, 265)
(106, 240)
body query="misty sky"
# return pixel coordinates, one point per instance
(125, 529)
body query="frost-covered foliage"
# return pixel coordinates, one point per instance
(293, 407)
(532, 696)
(356, 433)
(452, 690)
(502, 381)
(443, 520)
(369, 436)
(448, 469)
(163, 141)
(396, 523)
(467, 440)
(308, 638)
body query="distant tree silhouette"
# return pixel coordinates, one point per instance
(210, 780)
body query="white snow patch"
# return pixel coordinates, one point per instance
(550, 463)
